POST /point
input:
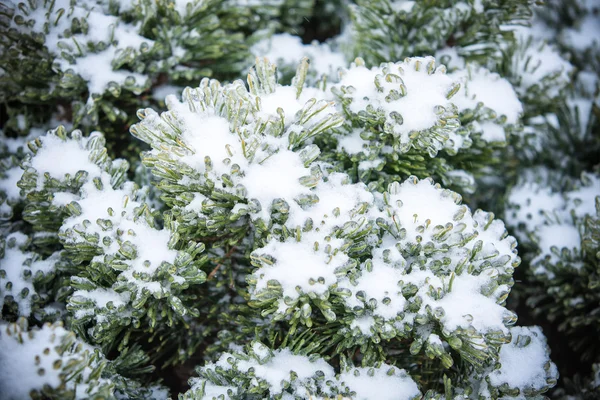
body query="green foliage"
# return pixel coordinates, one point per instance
(392, 30)
(125, 271)
(312, 231)
(53, 52)
(27, 289)
(562, 231)
(60, 366)
(249, 375)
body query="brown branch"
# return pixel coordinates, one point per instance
(216, 269)
(211, 239)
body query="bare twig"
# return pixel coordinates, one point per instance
(216, 269)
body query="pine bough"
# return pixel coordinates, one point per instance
(308, 240)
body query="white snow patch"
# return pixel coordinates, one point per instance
(296, 263)
(53, 149)
(380, 385)
(523, 366)
(287, 50)
(8, 185)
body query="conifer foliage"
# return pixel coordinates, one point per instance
(196, 204)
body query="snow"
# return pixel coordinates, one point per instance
(14, 145)
(411, 254)
(25, 356)
(529, 205)
(462, 310)
(585, 35)
(410, 98)
(364, 324)
(277, 177)
(281, 370)
(478, 85)
(19, 361)
(383, 281)
(305, 377)
(104, 212)
(279, 367)
(420, 207)
(415, 208)
(287, 50)
(150, 243)
(587, 82)
(370, 165)
(431, 235)
(378, 383)
(539, 30)
(96, 68)
(423, 93)
(561, 236)
(496, 242)
(336, 193)
(54, 148)
(15, 263)
(402, 5)
(5, 210)
(181, 6)
(352, 143)
(583, 200)
(464, 305)
(260, 166)
(199, 199)
(522, 366)
(434, 340)
(253, 3)
(450, 57)
(271, 171)
(297, 264)
(62, 199)
(462, 178)
(101, 297)
(21, 122)
(545, 63)
(207, 137)
(362, 81)
(540, 62)
(553, 220)
(8, 185)
(95, 202)
(127, 5)
(284, 97)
